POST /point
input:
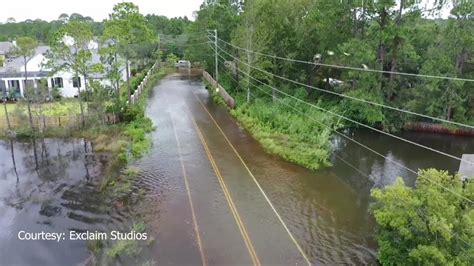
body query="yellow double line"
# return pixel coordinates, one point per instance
(186, 183)
(293, 239)
(235, 213)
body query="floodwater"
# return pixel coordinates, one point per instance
(326, 210)
(50, 185)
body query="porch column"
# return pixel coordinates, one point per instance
(21, 81)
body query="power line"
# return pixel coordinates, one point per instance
(183, 34)
(184, 45)
(350, 68)
(355, 98)
(335, 155)
(421, 211)
(359, 123)
(350, 139)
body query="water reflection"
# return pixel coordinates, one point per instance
(50, 185)
(381, 172)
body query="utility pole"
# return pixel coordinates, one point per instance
(249, 61)
(216, 62)
(159, 50)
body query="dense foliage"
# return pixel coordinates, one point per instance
(426, 225)
(393, 36)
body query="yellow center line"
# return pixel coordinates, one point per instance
(235, 213)
(186, 183)
(303, 254)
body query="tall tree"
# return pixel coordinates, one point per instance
(25, 48)
(71, 49)
(219, 15)
(128, 29)
(6, 113)
(63, 17)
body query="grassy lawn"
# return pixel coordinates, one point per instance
(60, 108)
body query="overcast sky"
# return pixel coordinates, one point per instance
(97, 9)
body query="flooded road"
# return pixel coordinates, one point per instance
(324, 214)
(50, 185)
(214, 196)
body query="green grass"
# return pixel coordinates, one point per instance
(64, 107)
(127, 247)
(282, 131)
(286, 134)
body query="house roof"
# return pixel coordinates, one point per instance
(13, 65)
(5, 47)
(12, 68)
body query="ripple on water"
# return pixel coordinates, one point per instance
(50, 185)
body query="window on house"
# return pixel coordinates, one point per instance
(14, 84)
(3, 89)
(76, 82)
(57, 82)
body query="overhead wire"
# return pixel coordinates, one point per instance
(184, 45)
(352, 120)
(345, 136)
(348, 67)
(362, 100)
(335, 155)
(422, 212)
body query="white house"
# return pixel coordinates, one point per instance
(12, 76)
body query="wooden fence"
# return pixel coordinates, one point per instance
(66, 122)
(141, 87)
(227, 98)
(72, 121)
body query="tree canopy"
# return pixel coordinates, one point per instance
(427, 224)
(388, 36)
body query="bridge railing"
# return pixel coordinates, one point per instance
(222, 92)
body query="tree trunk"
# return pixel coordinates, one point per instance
(12, 148)
(382, 49)
(28, 95)
(311, 72)
(249, 59)
(117, 81)
(355, 22)
(83, 121)
(393, 68)
(397, 41)
(35, 153)
(86, 86)
(129, 88)
(273, 89)
(6, 114)
(362, 22)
